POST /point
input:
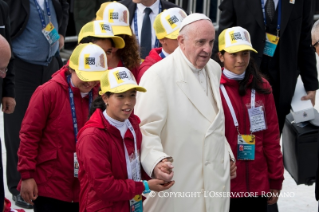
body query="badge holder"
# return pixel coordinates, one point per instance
(50, 33)
(271, 44)
(136, 204)
(256, 114)
(245, 147)
(257, 119)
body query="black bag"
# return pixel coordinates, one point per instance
(300, 151)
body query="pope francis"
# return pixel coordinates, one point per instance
(182, 119)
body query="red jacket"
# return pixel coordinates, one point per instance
(47, 138)
(150, 60)
(103, 173)
(266, 171)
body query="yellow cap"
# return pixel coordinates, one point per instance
(100, 29)
(89, 62)
(117, 15)
(167, 23)
(118, 80)
(234, 40)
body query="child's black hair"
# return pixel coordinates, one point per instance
(99, 103)
(91, 39)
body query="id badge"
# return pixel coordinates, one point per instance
(246, 147)
(257, 119)
(50, 33)
(76, 165)
(136, 204)
(271, 44)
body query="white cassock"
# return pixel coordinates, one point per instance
(181, 120)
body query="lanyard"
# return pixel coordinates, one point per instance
(40, 12)
(252, 98)
(136, 29)
(279, 15)
(162, 55)
(128, 162)
(75, 125)
(230, 106)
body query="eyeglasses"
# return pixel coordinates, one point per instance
(314, 46)
(4, 70)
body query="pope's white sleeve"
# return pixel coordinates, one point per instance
(151, 107)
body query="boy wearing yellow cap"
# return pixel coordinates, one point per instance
(109, 149)
(57, 111)
(166, 25)
(251, 125)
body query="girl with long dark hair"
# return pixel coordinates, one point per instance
(251, 125)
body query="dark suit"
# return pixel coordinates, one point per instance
(131, 6)
(293, 53)
(7, 84)
(27, 78)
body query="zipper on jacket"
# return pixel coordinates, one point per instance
(246, 162)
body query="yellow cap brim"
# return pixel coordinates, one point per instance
(173, 35)
(118, 41)
(238, 48)
(88, 76)
(122, 30)
(123, 88)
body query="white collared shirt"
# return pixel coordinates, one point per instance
(200, 74)
(164, 52)
(41, 3)
(275, 1)
(140, 16)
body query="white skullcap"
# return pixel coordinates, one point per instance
(192, 18)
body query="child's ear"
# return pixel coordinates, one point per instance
(162, 41)
(221, 57)
(105, 99)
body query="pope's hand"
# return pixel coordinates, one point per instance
(164, 171)
(233, 169)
